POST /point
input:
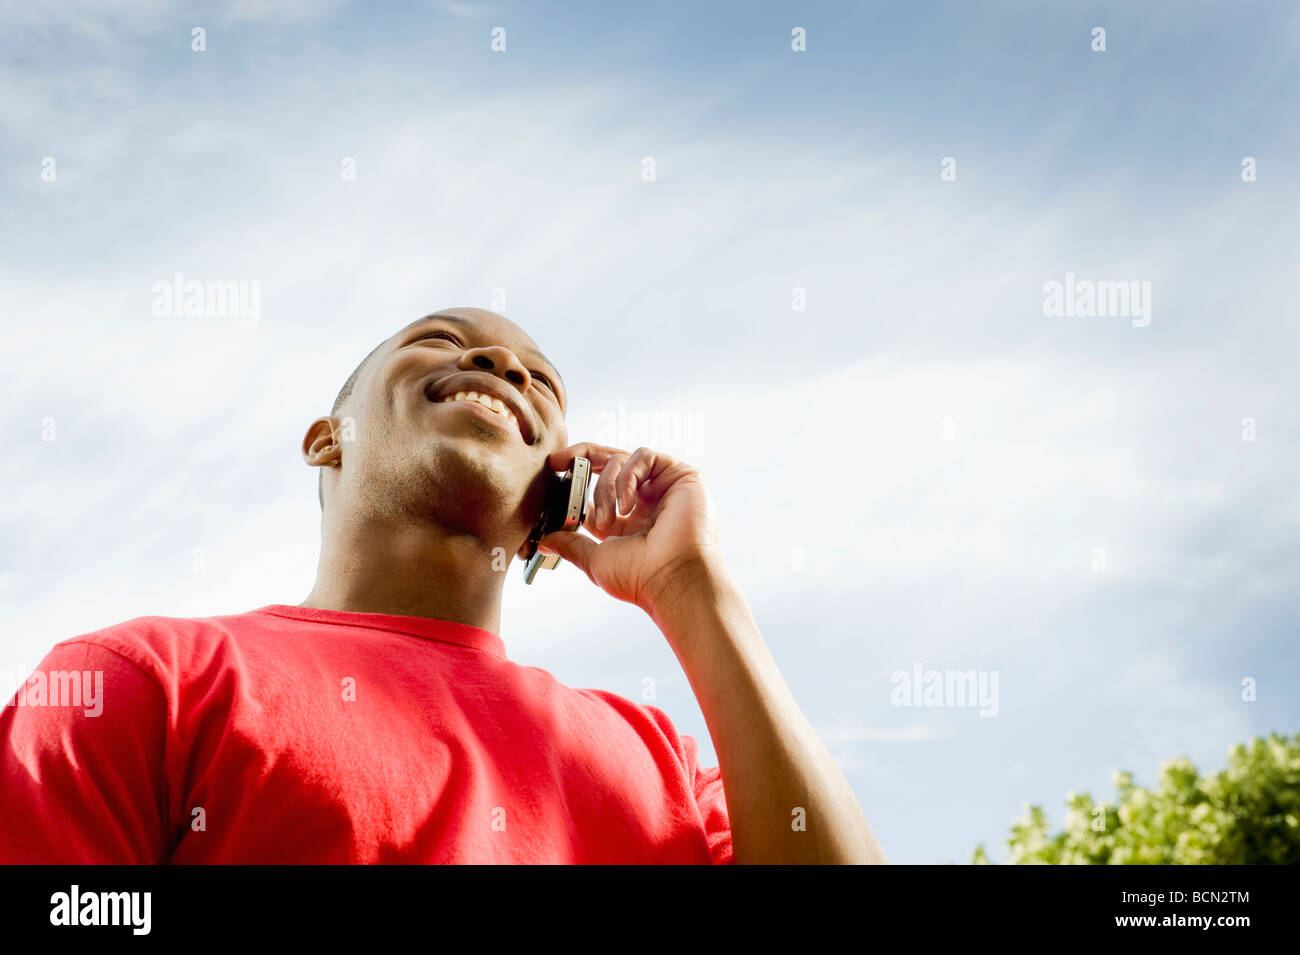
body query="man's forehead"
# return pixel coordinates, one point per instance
(468, 316)
(476, 318)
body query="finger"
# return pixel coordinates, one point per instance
(598, 454)
(615, 525)
(578, 549)
(657, 484)
(640, 473)
(603, 497)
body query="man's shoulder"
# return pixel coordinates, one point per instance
(629, 710)
(162, 644)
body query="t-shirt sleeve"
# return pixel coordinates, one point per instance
(81, 786)
(712, 801)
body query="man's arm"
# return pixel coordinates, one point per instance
(658, 548)
(773, 764)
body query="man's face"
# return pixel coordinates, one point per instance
(419, 449)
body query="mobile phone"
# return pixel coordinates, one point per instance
(565, 509)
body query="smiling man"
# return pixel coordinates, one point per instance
(381, 720)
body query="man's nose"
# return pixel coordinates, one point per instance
(500, 361)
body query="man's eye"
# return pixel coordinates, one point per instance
(448, 335)
(543, 379)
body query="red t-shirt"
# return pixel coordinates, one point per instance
(295, 735)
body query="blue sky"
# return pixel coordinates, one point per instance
(917, 468)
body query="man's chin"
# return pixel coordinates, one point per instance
(486, 456)
(483, 483)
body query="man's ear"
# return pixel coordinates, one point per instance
(319, 447)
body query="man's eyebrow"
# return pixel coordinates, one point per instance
(531, 353)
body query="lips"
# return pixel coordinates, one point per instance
(492, 398)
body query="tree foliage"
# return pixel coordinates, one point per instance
(1246, 814)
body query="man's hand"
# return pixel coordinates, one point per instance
(666, 535)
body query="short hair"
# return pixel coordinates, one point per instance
(344, 394)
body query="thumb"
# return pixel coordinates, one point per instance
(578, 549)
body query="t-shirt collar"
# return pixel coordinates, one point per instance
(445, 631)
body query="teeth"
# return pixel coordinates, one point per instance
(487, 401)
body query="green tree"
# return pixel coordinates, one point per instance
(1248, 814)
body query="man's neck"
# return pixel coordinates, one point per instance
(409, 570)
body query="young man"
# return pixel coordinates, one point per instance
(381, 720)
